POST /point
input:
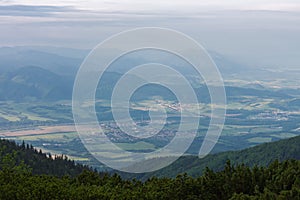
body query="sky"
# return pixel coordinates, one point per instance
(257, 32)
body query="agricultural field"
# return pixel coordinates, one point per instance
(250, 120)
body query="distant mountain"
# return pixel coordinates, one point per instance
(61, 51)
(33, 83)
(37, 83)
(261, 155)
(64, 61)
(227, 66)
(47, 73)
(13, 58)
(67, 60)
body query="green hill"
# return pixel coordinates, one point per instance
(24, 174)
(261, 155)
(34, 83)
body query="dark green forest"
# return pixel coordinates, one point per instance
(25, 155)
(30, 174)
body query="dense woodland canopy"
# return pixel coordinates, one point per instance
(60, 178)
(12, 154)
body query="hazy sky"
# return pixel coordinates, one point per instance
(258, 32)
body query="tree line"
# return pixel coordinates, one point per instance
(18, 180)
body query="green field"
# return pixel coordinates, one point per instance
(56, 137)
(138, 146)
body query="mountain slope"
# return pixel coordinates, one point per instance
(13, 58)
(277, 181)
(34, 82)
(261, 155)
(12, 155)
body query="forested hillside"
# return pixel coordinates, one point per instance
(59, 165)
(278, 181)
(30, 174)
(25, 156)
(260, 155)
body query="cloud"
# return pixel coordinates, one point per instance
(32, 11)
(249, 29)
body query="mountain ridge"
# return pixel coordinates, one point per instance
(260, 155)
